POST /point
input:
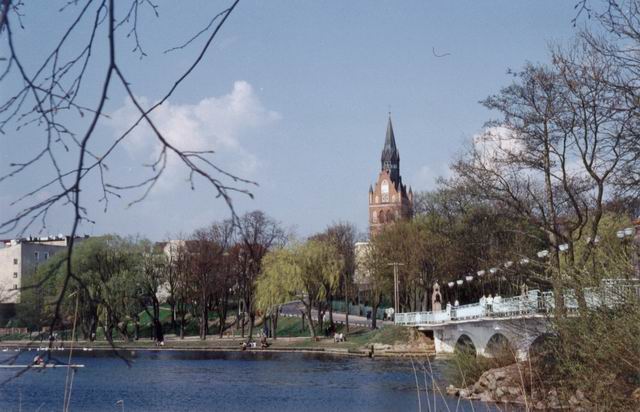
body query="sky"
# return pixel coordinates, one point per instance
(292, 95)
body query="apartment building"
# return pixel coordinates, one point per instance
(19, 259)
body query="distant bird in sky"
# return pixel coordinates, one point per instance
(433, 50)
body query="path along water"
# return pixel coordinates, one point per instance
(225, 381)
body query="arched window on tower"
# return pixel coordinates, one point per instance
(389, 216)
(381, 216)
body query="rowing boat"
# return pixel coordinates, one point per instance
(49, 365)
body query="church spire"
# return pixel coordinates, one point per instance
(390, 158)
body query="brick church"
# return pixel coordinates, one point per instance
(389, 199)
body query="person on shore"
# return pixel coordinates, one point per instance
(263, 343)
(490, 303)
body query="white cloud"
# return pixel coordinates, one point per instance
(222, 124)
(497, 143)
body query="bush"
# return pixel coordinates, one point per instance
(465, 367)
(597, 353)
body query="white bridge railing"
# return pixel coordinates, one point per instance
(610, 294)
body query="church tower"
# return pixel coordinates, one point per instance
(389, 199)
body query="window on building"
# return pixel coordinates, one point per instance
(15, 261)
(46, 255)
(15, 274)
(37, 255)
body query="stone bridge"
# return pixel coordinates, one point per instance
(516, 323)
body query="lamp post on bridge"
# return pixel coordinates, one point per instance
(629, 238)
(396, 289)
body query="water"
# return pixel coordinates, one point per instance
(222, 381)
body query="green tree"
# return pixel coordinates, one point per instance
(308, 272)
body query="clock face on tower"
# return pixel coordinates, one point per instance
(384, 188)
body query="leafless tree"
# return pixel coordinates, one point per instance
(223, 234)
(257, 234)
(554, 155)
(50, 92)
(621, 21)
(343, 237)
(205, 255)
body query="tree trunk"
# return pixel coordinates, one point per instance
(158, 333)
(320, 320)
(252, 320)
(93, 329)
(374, 309)
(331, 324)
(174, 326)
(346, 304)
(108, 332)
(222, 318)
(308, 309)
(244, 311)
(274, 326)
(136, 329)
(204, 319)
(182, 316)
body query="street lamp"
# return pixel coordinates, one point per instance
(396, 289)
(596, 240)
(629, 233)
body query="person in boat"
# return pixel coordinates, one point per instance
(38, 361)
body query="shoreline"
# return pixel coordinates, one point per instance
(363, 352)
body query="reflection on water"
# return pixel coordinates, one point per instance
(233, 381)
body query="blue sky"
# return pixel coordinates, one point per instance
(295, 95)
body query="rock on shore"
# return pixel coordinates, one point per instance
(506, 385)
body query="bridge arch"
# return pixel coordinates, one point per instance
(539, 345)
(464, 343)
(498, 345)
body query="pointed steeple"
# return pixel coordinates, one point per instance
(390, 158)
(390, 151)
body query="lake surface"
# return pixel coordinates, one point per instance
(223, 381)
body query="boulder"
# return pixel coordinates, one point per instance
(500, 374)
(514, 390)
(380, 346)
(573, 401)
(486, 397)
